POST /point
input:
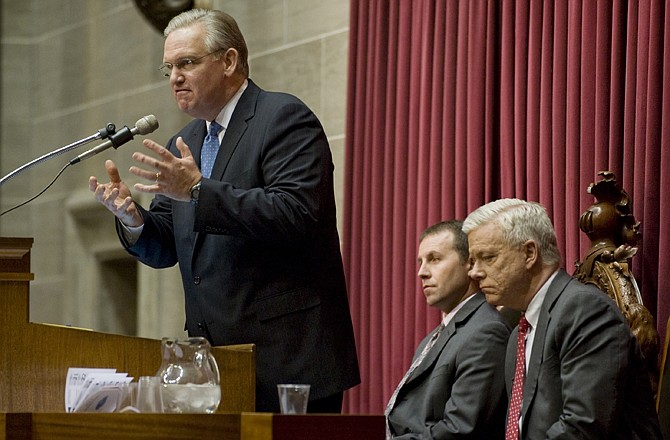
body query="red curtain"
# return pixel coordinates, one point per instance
(452, 104)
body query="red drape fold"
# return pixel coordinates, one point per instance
(452, 104)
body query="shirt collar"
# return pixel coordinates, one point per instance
(533, 311)
(223, 119)
(446, 319)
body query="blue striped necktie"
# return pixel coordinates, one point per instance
(209, 149)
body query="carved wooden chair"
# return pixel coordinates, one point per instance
(610, 225)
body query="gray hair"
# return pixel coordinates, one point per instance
(460, 237)
(519, 221)
(221, 32)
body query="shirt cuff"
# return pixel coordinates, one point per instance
(131, 233)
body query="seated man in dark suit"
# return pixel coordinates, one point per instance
(455, 386)
(578, 372)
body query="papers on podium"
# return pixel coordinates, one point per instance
(95, 390)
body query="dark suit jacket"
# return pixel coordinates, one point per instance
(260, 255)
(586, 378)
(458, 391)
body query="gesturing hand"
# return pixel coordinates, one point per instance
(116, 196)
(171, 176)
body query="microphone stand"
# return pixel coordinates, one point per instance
(103, 133)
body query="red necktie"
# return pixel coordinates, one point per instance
(512, 432)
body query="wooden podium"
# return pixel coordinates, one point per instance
(34, 359)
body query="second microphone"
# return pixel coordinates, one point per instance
(144, 125)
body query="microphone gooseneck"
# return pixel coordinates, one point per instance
(103, 133)
(115, 139)
(144, 125)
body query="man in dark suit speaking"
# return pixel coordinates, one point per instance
(244, 203)
(573, 367)
(455, 386)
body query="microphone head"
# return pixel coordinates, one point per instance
(146, 125)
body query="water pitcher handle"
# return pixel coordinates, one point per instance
(214, 367)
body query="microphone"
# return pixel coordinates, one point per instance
(143, 126)
(103, 133)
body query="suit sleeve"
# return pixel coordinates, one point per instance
(593, 343)
(478, 389)
(155, 246)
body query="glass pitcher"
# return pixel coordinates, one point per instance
(189, 376)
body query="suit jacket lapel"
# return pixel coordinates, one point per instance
(195, 140)
(537, 352)
(449, 331)
(244, 110)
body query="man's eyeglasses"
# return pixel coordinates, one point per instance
(185, 64)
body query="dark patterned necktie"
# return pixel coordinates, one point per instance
(409, 372)
(512, 432)
(210, 148)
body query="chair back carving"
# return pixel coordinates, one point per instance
(610, 225)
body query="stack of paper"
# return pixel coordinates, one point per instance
(95, 389)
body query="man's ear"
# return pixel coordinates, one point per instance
(531, 253)
(230, 59)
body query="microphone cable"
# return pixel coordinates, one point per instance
(38, 194)
(144, 125)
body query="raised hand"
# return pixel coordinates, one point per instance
(116, 196)
(172, 176)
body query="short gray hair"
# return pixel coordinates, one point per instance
(221, 32)
(519, 221)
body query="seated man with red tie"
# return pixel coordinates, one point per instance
(573, 367)
(455, 386)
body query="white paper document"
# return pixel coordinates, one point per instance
(95, 389)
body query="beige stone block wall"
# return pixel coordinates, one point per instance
(71, 66)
